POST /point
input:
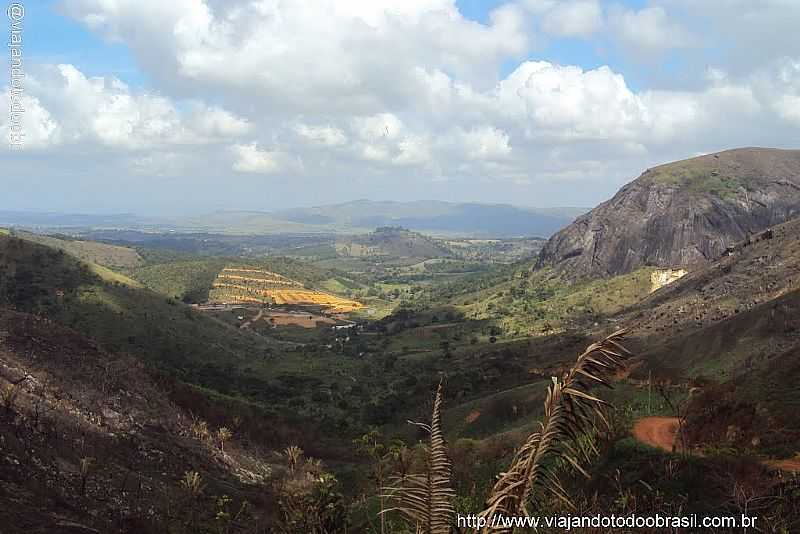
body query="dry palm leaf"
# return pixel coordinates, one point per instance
(426, 500)
(570, 412)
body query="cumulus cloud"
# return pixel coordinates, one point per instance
(322, 135)
(383, 91)
(214, 122)
(567, 103)
(39, 129)
(67, 107)
(487, 143)
(251, 158)
(263, 48)
(649, 31)
(575, 18)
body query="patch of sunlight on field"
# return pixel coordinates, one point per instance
(107, 275)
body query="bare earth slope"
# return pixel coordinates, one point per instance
(681, 214)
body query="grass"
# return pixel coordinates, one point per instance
(113, 277)
(542, 302)
(113, 256)
(700, 176)
(500, 412)
(189, 281)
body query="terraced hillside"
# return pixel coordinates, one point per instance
(235, 285)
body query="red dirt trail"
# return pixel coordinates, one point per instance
(658, 432)
(661, 433)
(791, 465)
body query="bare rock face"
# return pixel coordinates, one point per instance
(681, 214)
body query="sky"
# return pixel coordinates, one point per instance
(188, 106)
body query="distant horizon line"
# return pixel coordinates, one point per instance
(49, 211)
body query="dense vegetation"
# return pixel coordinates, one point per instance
(493, 339)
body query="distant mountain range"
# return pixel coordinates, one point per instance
(360, 216)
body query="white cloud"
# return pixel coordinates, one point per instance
(413, 150)
(250, 158)
(485, 143)
(39, 129)
(67, 107)
(567, 103)
(649, 31)
(259, 47)
(217, 123)
(105, 111)
(573, 18)
(380, 92)
(788, 106)
(323, 135)
(378, 128)
(779, 85)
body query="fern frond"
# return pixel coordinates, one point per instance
(570, 412)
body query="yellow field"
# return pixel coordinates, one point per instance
(334, 303)
(226, 276)
(256, 286)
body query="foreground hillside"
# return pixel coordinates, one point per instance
(681, 214)
(90, 443)
(732, 326)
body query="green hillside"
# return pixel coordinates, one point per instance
(112, 256)
(496, 340)
(184, 280)
(190, 280)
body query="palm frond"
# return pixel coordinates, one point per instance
(426, 500)
(570, 413)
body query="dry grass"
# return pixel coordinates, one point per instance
(426, 500)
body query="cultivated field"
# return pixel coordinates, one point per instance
(299, 319)
(255, 286)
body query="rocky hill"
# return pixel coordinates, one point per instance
(681, 214)
(393, 242)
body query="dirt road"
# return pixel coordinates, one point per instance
(792, 465)
(662, 432)
(253, 320)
